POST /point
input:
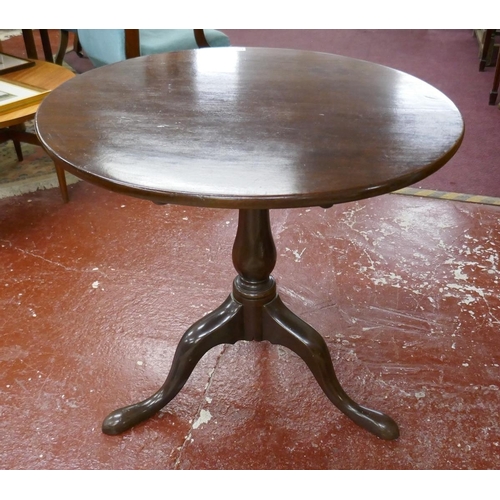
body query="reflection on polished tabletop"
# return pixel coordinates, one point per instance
(253, 130)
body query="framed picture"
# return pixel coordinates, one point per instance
(15, 95)
(11, 63)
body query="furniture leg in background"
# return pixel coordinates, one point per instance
(488, 38)
(487, 53)
(5, 135)
(18, 134)
(496, 82)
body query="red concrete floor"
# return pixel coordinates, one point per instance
(95, 295)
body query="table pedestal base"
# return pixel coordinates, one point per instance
(254, 311)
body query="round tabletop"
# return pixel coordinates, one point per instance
(249, 128)
(44, 75)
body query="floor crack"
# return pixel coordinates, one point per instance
(31, 254)
(200, 409)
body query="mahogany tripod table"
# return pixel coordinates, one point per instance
(250, 129)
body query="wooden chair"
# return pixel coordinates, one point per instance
(109, 46)
(31, 50)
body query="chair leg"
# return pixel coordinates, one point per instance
(19, 151)
(77, 46)
(7, 134)
(63, 46)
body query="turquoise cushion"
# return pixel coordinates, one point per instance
(103, 46)
(108, 46)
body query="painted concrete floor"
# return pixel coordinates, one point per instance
(96, 293)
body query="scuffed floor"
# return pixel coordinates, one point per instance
(95, 295)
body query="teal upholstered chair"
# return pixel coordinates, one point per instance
(109, 46)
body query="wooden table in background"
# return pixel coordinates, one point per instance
(252, 130)
(44, 75)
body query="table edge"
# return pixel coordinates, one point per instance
(252, 202)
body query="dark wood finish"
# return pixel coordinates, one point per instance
(29, 42)
(200, 38)
(496, 82)
(251, 129)
(77, 46)
(20, 157)
(6, 134)
(254, 311)
(272, 128)
(133, 42)
(47, 49)
(63, 46)
(31, 50)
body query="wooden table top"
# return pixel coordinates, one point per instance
(249, 128)
(44, 75)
